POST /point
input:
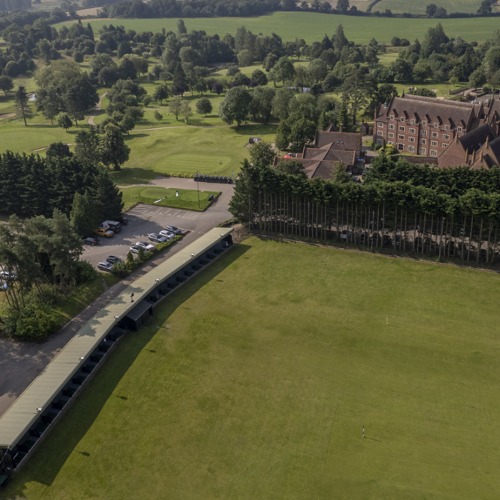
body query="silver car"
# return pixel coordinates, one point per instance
(157, 237)
(167, 234)
(144, 244)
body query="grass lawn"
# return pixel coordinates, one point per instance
(158, 152)
(400, 6)
(254, 380)
(313, 26)
(187, 199)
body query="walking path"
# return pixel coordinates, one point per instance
(97, 109)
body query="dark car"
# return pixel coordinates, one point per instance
(104, 266)
(113, 260)
(91, 241)
(122, 220)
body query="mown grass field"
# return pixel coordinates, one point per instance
(186, 199)
(254, 381)
(312, 27)
(400, 6)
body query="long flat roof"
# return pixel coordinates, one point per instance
(17, 420)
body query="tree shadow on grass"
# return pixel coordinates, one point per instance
(65, 437)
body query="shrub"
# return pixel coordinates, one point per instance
(140, 255)
(34, 322)
(84, 272)
(122, 269)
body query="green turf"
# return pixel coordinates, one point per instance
(187, 199)
(192, 163)
(312, 27)
(400, 6)
(254, 380)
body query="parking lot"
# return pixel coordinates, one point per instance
(146, 219)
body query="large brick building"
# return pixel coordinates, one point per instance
(423, 125)
(448, 133)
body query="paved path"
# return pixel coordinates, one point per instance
(97, 109)
(20, 363)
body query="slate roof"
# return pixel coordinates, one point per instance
(475, 139)
(430, 109)
(349, 141)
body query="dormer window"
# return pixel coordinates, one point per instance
(413, 122)
(392, 117)
(424, 123)
(436, 125)
(447, 127)
(402, 119)
(460, 129)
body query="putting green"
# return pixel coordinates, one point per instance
(192, 163)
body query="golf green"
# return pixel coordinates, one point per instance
(255, 379)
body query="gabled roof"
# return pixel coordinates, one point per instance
(430, 108)
(475, 139)
(349, 141)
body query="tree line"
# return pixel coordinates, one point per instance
(397, 214)
(34, 186)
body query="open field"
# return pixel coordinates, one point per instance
(157, 152)
(187, 199)
(312, 27)
(400, 6)
(254, 381)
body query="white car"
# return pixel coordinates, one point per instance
(144, 244)
(167, 234)
(157, 237)
(8, 276)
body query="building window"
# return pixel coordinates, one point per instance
(447, 127)
(379, 132)
(423, 141)
(380, 124)
(401, 147)
(413, 122)
(402, 129)
(411, 149)
(434, 143)
(391, 135)
(460, 129)
(422, 151)
(380, 141)
(412, 131)
(423, 132)
(436, 125)
(411, 139)
(446, 136)
(445, 145)
(401, 137)
(391, 127)
(435, 134)
(391, 143)
(424, 124)
(402, 119)
(433, 153)
(392, 117)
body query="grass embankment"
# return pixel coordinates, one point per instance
(82, 296)
(187, 199)
(401, 6)
(312, 27)
(254, 381)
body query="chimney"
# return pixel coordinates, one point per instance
(341, 126)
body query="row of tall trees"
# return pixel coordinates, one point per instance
(397, 214)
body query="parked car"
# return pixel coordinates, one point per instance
(92, 240)
(135, 248)
(145, 245)
(345, 233)
(157, 237)
(167, 234)
(8, 275)
(173, 229)
(104, 266)
(104, 232)
(113, 260)
(122, 220)
(113, 225)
